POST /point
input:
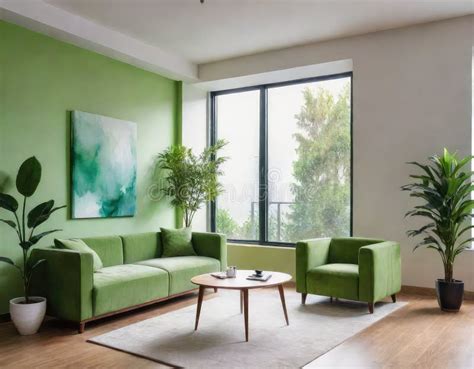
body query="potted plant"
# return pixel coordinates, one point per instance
(27, 312)
(191, 180)
(445, 188)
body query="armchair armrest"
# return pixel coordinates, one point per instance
(213, 245)
(379, 271)
(310, 254)
(67, 279)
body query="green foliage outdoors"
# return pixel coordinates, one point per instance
(321, 172)
(25, 225)
(191, 180)
(226, 224)
(247, 231)
(322, 169)
(445, 186)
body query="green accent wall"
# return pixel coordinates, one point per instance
(41, 81)
(281, 259)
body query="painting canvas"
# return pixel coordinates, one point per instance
(104, 166)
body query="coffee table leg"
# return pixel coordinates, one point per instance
(282, 297)
(241, 301)
(246, 312)
(198, 311)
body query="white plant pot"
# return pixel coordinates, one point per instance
(27, 317)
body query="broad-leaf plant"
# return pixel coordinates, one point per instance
(26, 224)
(445, 186)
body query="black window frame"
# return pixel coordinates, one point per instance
(263, 151)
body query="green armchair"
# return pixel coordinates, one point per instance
(352, 268)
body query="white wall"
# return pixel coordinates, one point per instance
(194, 133)
(412, 97)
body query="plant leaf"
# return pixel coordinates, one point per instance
(8, 202)
(11, 223)
(25, 245)
(34, 240)
(39, 211)
(38, 262)
(7, 260)
(28, 177)
(416, 232)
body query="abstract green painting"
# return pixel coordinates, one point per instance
(104, 166)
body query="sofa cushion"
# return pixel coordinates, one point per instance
(109, 249)
(79, 245)
(182, 268)
(340, 280)
(142, 246)
(121, 286)
(177, 242)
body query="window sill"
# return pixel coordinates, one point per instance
(263, 246)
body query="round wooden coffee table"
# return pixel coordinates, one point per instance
(241, 283)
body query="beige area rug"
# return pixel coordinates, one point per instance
(219, 341)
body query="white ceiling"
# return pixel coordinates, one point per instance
(221, 29)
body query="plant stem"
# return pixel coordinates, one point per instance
(25, 255)
(18, 231)
(24, 209)
(448, 271)
(25, 276)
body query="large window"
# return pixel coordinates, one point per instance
(288, 176)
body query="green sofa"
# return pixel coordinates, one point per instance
(358, 269)
(134, 274)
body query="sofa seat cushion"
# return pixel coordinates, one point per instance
(338, 280)
(121, 286)
(182, 268)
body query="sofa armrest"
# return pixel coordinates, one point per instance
(379, 271)
(213, 245)
(310, 254)
(67, 280)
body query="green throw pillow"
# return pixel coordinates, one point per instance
(79, 245)
(177, 242)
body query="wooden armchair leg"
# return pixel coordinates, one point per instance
(215, 290)
(303, 298)
(81, 328)
(371, 307)
(394, 298)
(330, 299)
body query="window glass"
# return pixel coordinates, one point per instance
(237, 122)
(307, 148)
(309, 160)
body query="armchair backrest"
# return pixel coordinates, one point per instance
(346, 250)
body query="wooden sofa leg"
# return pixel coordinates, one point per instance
(394, 298)
(303, 298)
(371, 307)
(82, 326)
(215, 290)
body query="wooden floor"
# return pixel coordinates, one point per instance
(418, 335)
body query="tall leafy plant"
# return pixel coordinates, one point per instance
(445, 186)
(192, 180)
(25, 225)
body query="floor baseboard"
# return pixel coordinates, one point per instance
(425, 291)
